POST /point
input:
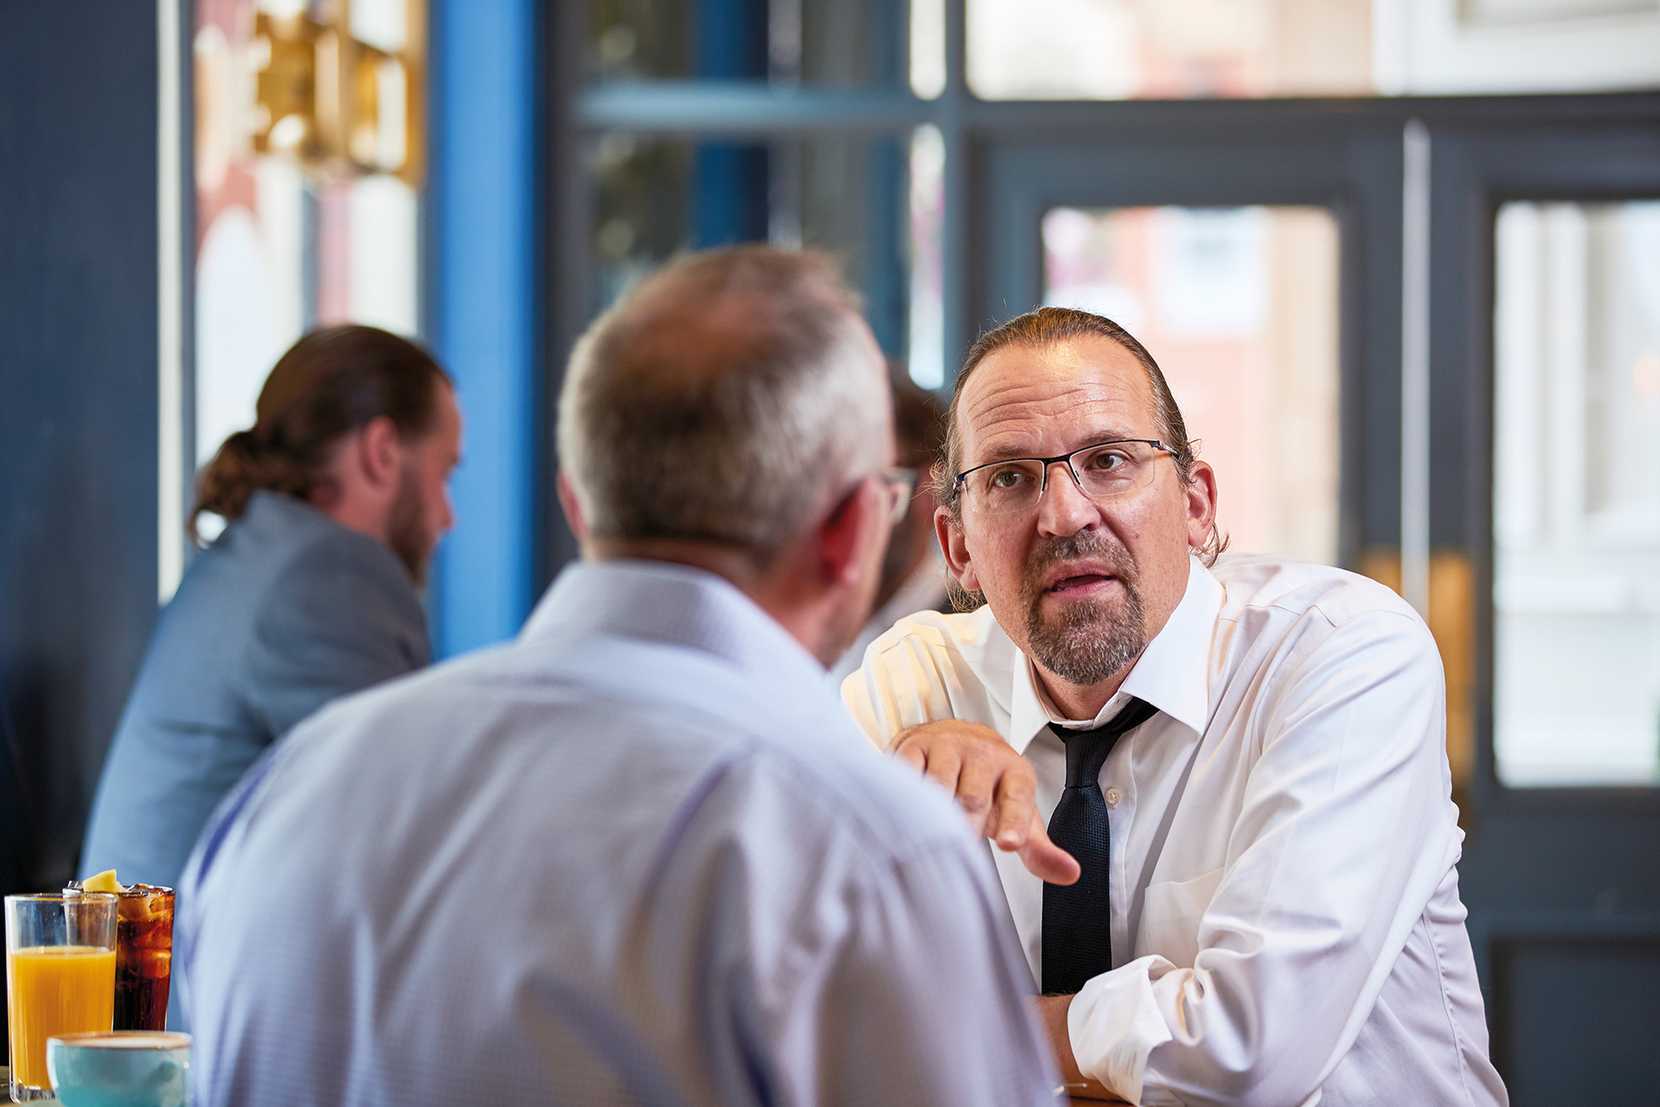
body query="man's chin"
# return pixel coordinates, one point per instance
(1081, 640)
(1099, 608)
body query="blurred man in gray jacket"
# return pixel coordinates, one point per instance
(333, 502)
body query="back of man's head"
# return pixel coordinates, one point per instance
(333, 381)
(727, 400)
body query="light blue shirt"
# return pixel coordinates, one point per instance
(640, 855)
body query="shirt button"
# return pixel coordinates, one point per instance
(1113, 796)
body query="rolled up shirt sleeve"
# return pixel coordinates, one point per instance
(1343, 833)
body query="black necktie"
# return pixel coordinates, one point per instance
(1077, 918)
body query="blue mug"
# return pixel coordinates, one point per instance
(119, 1068)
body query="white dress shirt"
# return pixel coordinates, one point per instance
(923, 590)
(638, 856)
(1286, 926)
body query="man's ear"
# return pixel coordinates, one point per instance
(1200, 501)
(573, 508)
(846, 530)
(955, 548)
(380, 452)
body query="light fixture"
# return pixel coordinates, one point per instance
(336, 104)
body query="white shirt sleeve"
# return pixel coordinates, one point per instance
(1343, 831)
(912, 674)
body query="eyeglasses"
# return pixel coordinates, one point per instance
(1103, 471)
(901, 483)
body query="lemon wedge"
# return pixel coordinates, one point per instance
(102, 882)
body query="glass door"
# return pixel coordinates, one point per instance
(1545, 332)
(1258, 272)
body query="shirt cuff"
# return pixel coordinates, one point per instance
(1114, 1023)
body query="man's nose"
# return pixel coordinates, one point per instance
(1063, 509)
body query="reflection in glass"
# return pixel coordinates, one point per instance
(654, 197)
(927, 48)
(822, 42)
(1239, 307)
(278, 251)
(928, 355)
(1576, 498)
(1168, 49)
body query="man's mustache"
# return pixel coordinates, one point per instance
(1090, 544)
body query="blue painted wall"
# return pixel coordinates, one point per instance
(78, 312)
(484, 234)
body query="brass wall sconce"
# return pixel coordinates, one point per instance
(339, 106)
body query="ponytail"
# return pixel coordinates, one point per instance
(331, 382)
(242, 466)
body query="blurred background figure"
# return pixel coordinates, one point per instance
(331, 503)
(913, 574)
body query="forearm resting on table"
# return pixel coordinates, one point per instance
(1052, 1011)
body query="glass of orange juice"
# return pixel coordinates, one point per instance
(60, 977)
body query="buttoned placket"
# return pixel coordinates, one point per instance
(1114, 778)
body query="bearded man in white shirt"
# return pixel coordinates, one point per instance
(1250, 895)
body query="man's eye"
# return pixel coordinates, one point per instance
(1108, 460)
(1003, 480)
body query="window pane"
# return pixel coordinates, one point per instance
(1239, 306)
(927, 48)
(1576, 496)
(251, 298)
(928, 355)
(654, 197)
(280, 250)
(1168, 49)
(824, 42)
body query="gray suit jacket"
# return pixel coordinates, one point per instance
(285, 612)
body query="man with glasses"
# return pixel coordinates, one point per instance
(638, 855)
(1219, 788)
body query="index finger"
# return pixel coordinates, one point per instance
(1014, 808)
(1045, 859)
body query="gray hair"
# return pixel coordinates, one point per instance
(729, 398)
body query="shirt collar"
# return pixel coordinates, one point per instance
(677, 604)
(1172, 673)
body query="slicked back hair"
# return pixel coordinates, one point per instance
(1050, 326)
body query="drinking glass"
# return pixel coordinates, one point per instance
(143, 957)
(60, 977)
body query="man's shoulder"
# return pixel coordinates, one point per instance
(1259, 585)
(1288, 621)
(280, 544)
(791, 766)
(964, 642)
(252, 568)
(841, 791)
(319, 574)
(932, 666)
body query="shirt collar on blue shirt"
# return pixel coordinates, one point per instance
(665, 602)
(1172, 673)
